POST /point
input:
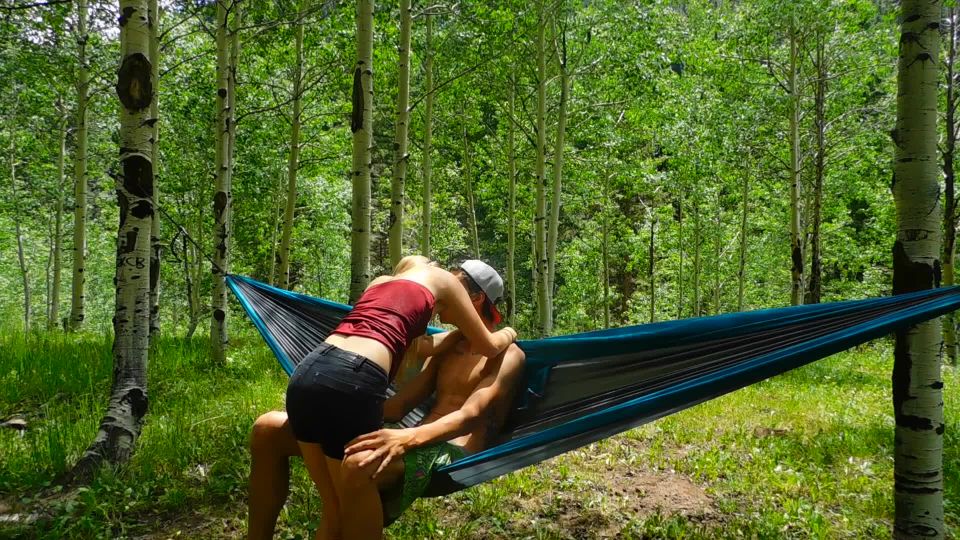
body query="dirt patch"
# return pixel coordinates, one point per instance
(644, 493)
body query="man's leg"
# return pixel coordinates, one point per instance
(271, 445)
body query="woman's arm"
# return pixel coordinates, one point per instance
(460, 312)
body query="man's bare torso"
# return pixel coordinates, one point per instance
(458, 375)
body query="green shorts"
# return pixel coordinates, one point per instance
(418, 467)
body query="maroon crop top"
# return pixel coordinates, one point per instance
(394, 313)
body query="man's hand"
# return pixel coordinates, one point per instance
(388, 444)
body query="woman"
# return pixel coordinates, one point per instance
(337, 391)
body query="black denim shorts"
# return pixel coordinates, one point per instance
(335, 395)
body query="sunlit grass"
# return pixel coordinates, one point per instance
(805, 455)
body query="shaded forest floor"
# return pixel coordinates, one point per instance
(805, 455)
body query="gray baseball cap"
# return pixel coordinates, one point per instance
(488, 279)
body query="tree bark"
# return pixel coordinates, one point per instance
(361, 125)
(401, 157)
(718, 225)
(554, 223)
(541, 276)
(744, 214)
(17, 218)
(223, 195)
(426, 216)
(54, 317)
(819, 171)
(605, 248)
(156, 248)
(120, 426)
(651, 275)
(696, 260)
(512, 210)
(273, 232)
(468, 188)
(77, 297)
(796, 247)
(917, 384)
(950, 199)
(680, 263)
(293, 163)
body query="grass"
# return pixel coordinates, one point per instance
(804, 455)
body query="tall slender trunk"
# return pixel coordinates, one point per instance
(293, 163)
(554, 223)
(680, 263)
(950, 198)
(193, 308)
(468, 188)
(54, 318)
(744, 214)
(156, 248)
(120, 426)
(917, 383)
(696, 260)
(718, 238)
(273, 232)
(796, 247)
(223, 195)
(426, 216)
(401, 157)
(511, 211)
(17, 218)
(605, 248)
(819, 171)
(361, 125)
(651, 275)
(77, 297)
(541, 276)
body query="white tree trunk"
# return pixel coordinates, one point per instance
(361, 125)
(293, 163)
(744, 214)
(17, 218)
(917, 384)
(120, 426)
(426, 216)
(155, 245)
(468, 191)
(949, 194)
(223, 196)
(796, 246)
(401, 157)
(78, 298)
(54, 317)
(540, 272)
(511, 213)
(554, 223)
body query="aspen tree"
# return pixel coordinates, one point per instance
(917, 383)
(77, 297)
(361, 125)
(121, 424)
(293, 161)
(401, 157)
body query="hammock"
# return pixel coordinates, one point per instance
(585, 387)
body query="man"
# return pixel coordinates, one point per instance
(473, 397)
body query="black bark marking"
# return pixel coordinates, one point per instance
(219, 204)
(356, 115)
(142, 209)
(124, 203)
(138, 176)
(937, 385)
(138, 401)
(125, 15)
(797, 257)
(911, 276)
(222, 93)
(916, 423)
(912, 18)
(134, 87)
(131, 242)
(939, 429)
(219, 315)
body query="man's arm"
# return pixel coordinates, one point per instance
(437, 344)
(412, 393)
(390, 444)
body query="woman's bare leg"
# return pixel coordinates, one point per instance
(316, 462)
(271, 445)
(362, 519)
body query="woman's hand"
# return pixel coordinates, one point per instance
(388, 444)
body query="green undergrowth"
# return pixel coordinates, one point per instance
(804, 455)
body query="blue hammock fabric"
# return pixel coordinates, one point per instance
(585, 387)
